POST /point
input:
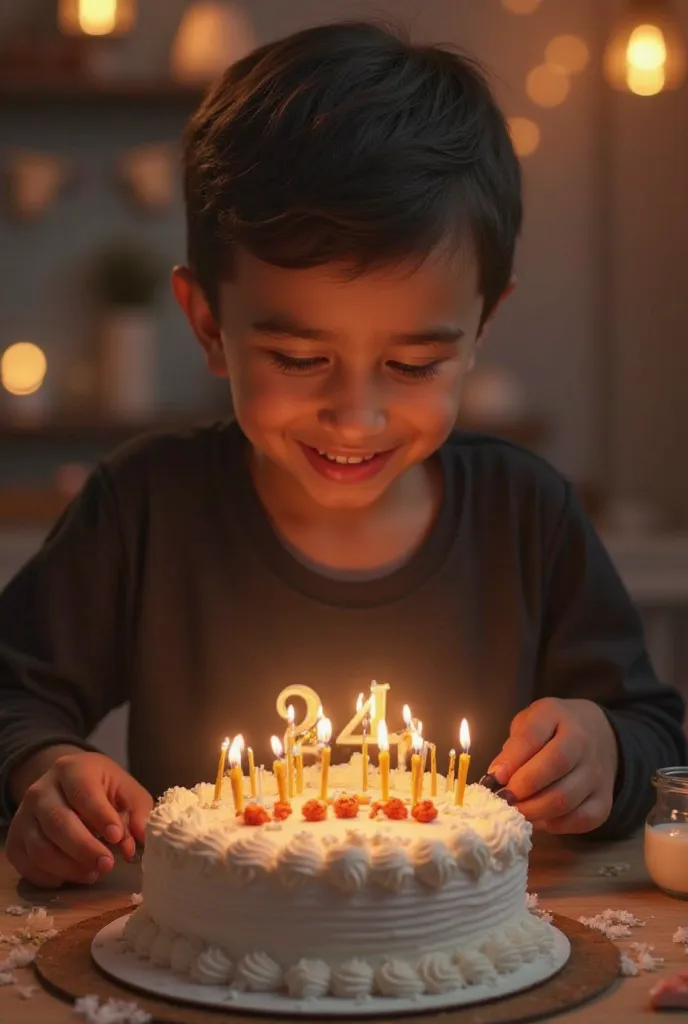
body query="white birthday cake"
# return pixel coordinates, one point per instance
(343, 899)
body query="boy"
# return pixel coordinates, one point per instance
(353, 203)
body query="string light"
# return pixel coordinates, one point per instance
(646, 53)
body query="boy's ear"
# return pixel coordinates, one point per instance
(193, 303)
(509, 290)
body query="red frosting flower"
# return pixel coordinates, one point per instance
(314, 810)
(395, 809)
(281, 810)
(346, 807)
(254, 814)
(424, 811)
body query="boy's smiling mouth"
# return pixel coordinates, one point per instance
(346, 467)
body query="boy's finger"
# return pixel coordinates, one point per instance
(553, 762)
(558, 799)
(47, 858)
(530, 731)
(68, 832)
(89, 800)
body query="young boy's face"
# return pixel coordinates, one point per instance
(343, 384)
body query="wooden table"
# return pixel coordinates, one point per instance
(564, 874)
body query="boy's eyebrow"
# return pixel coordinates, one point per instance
(286, 326)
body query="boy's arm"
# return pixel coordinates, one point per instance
(62, 639)
(593, 648)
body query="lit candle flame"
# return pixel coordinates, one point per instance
(320, 713)
(291, 715)
(277, 748)
(225, 743)
(452, 752)
(406, 715)
(236, 749)
(417, 742)
(324, 731)
(464, 736)
(419, 728)
(382, 736)
(359, 704)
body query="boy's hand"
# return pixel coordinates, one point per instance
(560, 764)
(52, 837)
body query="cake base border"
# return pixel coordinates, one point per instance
(65, 966)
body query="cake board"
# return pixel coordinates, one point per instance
(65, 965)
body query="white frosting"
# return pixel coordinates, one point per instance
(350, 908)
(308, 979)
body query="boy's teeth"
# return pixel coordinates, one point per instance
(347, 460)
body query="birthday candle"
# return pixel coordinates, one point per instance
(464, 762)
(383, 758)
(365, 725)
(221, 768)
(289, 745)
(324, 736)
(450, 771)
(236, 774)
(298, 765)
(252, 772)
(416, 768)
(433, 770)
(278, 769)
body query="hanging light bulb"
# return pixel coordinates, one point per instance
(646, 53)
(96, 17)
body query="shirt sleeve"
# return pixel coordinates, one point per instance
(62, 634)
(593, 647)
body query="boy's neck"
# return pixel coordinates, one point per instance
(345, 539)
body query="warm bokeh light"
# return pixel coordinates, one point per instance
(525, 135)
(97, 17)
(647, 51)
(547, 86)
(22, 368)
(521, 6)
(569, 54)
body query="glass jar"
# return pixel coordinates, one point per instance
(666, 833)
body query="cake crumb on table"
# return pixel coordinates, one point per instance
(114, 1011)
(16, 911)
(26, 991)
(136, 899)
(681, 935)
(6, 978)
(639, 959)
(533, 905)
(614, 924)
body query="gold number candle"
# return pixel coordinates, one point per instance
(365, 726)
(221, 768)
(236, 775)
(324, 737)
(383, 758)
(278, 769)
(252, 772)
(450, 771)
(464, 762)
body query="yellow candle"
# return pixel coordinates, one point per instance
(221, 768)
(252, 772)
(324, 737)
(236, 775)
(289, 745)
(433, 770)
(416, 768)
(279, 769)
(464, 763)
(364, 751)
(298, 765)
(450, 771)
(383, 758)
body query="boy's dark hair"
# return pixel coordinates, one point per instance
(347, 143)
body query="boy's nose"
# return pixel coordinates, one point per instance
(355, 415)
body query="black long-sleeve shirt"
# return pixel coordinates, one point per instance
(164, 584)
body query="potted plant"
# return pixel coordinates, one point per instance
(125, 282)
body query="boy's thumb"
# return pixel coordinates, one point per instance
(139, 804)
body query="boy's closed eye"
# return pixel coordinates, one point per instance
(297, 364)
